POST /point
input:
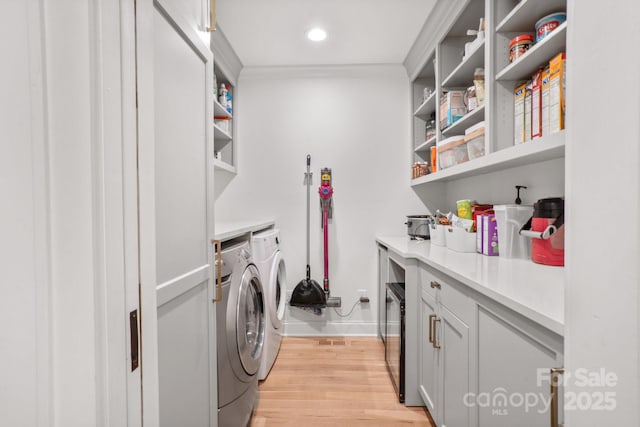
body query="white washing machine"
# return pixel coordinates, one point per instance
(240, 323)
(268, 259)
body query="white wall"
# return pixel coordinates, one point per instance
(603, 199)
(543, 179)
(354, 120)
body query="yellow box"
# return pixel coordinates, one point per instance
(518, 114)
(557, 84)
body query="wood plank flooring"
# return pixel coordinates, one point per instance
(332, 382)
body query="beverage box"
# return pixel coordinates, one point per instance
(452, 108)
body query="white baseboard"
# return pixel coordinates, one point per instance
(306, 329)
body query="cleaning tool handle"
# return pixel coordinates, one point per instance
(308, 214)
(325, 221)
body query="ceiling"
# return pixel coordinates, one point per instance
(272, 32)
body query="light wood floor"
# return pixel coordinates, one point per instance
(332, 382)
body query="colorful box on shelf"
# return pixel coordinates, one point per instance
(452, 151)
(452, 108)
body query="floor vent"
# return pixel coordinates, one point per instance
(332, 341)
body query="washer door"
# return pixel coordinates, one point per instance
(277, 291)
(250, 320)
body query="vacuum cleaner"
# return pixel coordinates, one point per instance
(308, 293)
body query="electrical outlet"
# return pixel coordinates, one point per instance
(362, 293)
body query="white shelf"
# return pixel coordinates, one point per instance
(220, 135)
(538, 150)
(427, 107)
(468, 120)
(537, 56)
(525, 14)
(462, 75)
(219, 110)
(425, 146)
(223, 166)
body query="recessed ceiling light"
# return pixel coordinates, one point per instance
(316, 34)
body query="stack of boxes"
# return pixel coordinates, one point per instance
(539, 104)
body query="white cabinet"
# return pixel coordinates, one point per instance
(427, 366)
(480, 363)
(446, 319)
(515, 359)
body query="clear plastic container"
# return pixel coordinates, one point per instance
(452, 151)
(474, 139)
(510, 219)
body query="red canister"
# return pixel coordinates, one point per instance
(546, 229)
(519, 46)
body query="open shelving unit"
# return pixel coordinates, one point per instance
(223, 142)
(448, 68)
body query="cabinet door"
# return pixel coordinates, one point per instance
(176, 200)
(513, 377)
(428, 378)
(452, 335)
(383, 277)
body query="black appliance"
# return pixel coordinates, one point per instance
(395, 336)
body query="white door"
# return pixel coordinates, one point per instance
(428, 385)
(454, 362)
(175, 84)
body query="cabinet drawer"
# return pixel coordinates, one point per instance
(451, 294)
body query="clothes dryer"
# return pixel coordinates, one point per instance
(240, 326)
(268, 258)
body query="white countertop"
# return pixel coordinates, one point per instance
(226, 230)
(533, 290)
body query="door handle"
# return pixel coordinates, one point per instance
(431, 317)
(218, 244)
(435, 333)
(554, 409)
(133, 336)
(435, 285)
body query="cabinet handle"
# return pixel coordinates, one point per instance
(212, 16)
(431, 317)
(554, 409)
(218, 244)
(435, 285)
(435, 333)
